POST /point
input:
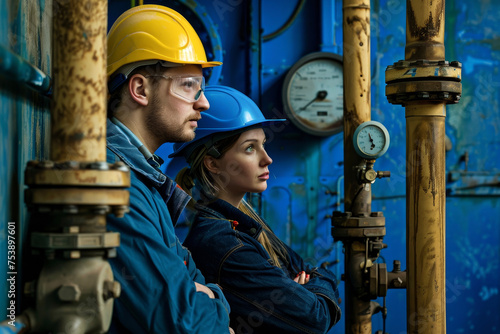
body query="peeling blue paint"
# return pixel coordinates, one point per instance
(471, 62)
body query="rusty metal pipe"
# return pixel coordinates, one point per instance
(70, 194)
(356, 46)
(357, 93)
(425, 226)
(425, 185)
(424, 29)
(358, 311)
(78, 114)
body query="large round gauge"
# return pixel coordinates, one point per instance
(371, 140)
(313, 94)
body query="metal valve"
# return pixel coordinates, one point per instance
(368, 175)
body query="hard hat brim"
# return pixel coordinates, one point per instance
(201, 136)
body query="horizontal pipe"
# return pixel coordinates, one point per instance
(16, 68)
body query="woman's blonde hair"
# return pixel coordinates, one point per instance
(210, 187)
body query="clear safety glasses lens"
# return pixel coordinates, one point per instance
(188, 89)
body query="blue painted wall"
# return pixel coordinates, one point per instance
(25, 27)
(307, 173)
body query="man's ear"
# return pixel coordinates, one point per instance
(211, 164)
(137, 89)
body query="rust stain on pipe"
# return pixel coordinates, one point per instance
(425, 103)
(78, 121)
(357, 95)
(429, 26)
(427, 156)
(426, 203)
(425, 30)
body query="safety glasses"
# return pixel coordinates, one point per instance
(188, 89)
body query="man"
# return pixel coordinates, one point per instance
(155, 61)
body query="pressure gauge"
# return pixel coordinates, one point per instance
(313, 94)
(371, 140)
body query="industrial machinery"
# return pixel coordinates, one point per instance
(70, 194)
(362, 232)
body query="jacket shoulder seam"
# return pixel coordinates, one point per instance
(224, 258)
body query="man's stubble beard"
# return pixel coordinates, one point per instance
(163, 126)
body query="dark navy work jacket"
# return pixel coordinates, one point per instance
(263, 297)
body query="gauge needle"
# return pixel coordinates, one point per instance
(319, 96)
(371, 140)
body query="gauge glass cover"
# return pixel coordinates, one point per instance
(314, 94)
(371, 140)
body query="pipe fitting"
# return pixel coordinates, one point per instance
(396, 266)
(422, 79)
(69, 293)
(111, 289)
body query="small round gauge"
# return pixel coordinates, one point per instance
(371, 140)
(313, 94)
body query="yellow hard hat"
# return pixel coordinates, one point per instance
(150, 33)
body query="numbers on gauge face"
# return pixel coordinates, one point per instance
(371, 140)
(315, 93)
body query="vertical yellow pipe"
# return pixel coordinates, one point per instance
(425, 187)
(356, 58)
(357, 93)
(65, 212)
(424, 29)
(426, 300)
(78, 118)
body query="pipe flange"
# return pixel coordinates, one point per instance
(424, 80)
(75, 241)
(73, 173)
(68, 197)
(76, 212)
(68, 254)
(423, 69)
(345, 220)
(441, 91)
(360, 222)
(106, 253)
(343, 233)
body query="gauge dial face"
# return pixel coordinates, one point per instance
(314, 94)
(371, 140)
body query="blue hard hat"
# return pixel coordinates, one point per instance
(230, 112)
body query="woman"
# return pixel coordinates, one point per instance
(268, 286)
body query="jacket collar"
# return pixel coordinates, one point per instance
(118, 142)
(121, 145)
(223, 210)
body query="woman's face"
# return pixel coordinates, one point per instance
(244, 167)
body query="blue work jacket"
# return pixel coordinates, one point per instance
(263, 297)
(156, 272)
